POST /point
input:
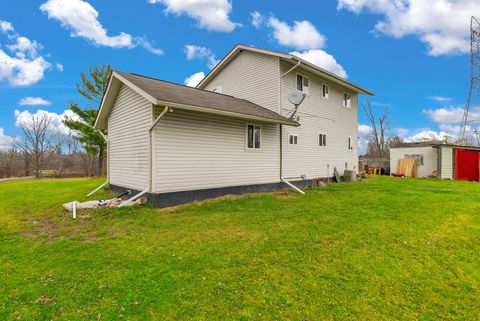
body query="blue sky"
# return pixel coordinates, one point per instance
(412, 54)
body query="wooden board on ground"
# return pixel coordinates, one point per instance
(337, 176)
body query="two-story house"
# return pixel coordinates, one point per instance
(232, 134)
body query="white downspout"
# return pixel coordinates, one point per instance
(293, 186)
(152, 147)
(281, 138)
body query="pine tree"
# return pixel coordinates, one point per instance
(92, 87)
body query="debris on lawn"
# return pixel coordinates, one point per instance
(110, 203)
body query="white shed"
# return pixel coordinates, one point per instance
(446, 161)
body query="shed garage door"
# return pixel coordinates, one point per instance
(467, 164)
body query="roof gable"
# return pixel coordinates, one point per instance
(288, 57)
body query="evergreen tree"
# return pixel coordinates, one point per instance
(92, 87)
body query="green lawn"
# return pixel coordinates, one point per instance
(385, 249)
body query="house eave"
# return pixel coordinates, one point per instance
(226, 113)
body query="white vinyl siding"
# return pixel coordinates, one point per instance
(319, 115)
(447, 163)
(430, 159)
(251, 76)
(200, 151)
(128, 125)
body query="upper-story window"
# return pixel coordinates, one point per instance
(217, 89)
(350, 143)
(322, 140)
(303, 84)
(347, 100)
(325, 90)
(292, 139)
(254, 136)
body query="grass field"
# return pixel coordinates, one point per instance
(385, 249)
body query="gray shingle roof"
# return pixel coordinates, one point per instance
(175, 93)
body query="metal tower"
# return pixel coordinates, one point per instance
(474, 90)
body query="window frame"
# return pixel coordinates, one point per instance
(253, 149)
(350, 143)
(328, 91)
(294, 136)
(303, 86)
(318, 140)
(349, 104)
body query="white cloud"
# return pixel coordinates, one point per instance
(257, 19)
(59, 66)
(443, 25)
(364, 132)
(145, 43)
(302, 35)
(440, 99)
(6, 141)
(56, 120)
(322, 59)
(82, 19)
(33, 101)
(209, 14)
(6, 26)
(194, 79)
(198, 52)
(427, 134)
(23, 65)
(449, 114)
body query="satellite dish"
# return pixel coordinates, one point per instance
(296, 98)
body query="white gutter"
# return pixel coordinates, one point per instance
(225, 113)
(293, 186)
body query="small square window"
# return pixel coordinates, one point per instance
(347, 100)
(254, 136)
(325, 91)
(292, 140)
(322, 140)
(303, 84)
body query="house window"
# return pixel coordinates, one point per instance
(292, 140)
(217, 89)
(303, 84)
(350, 143)
(325, 91)
(347, 100)
(254, 136)
(322, 140)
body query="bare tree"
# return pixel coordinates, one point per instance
(378, 142)
(39, 141)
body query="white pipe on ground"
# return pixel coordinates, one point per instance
(97, 189)
(74, 210)
(293, 186)
(130, 200)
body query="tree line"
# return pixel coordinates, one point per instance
(42, 150)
